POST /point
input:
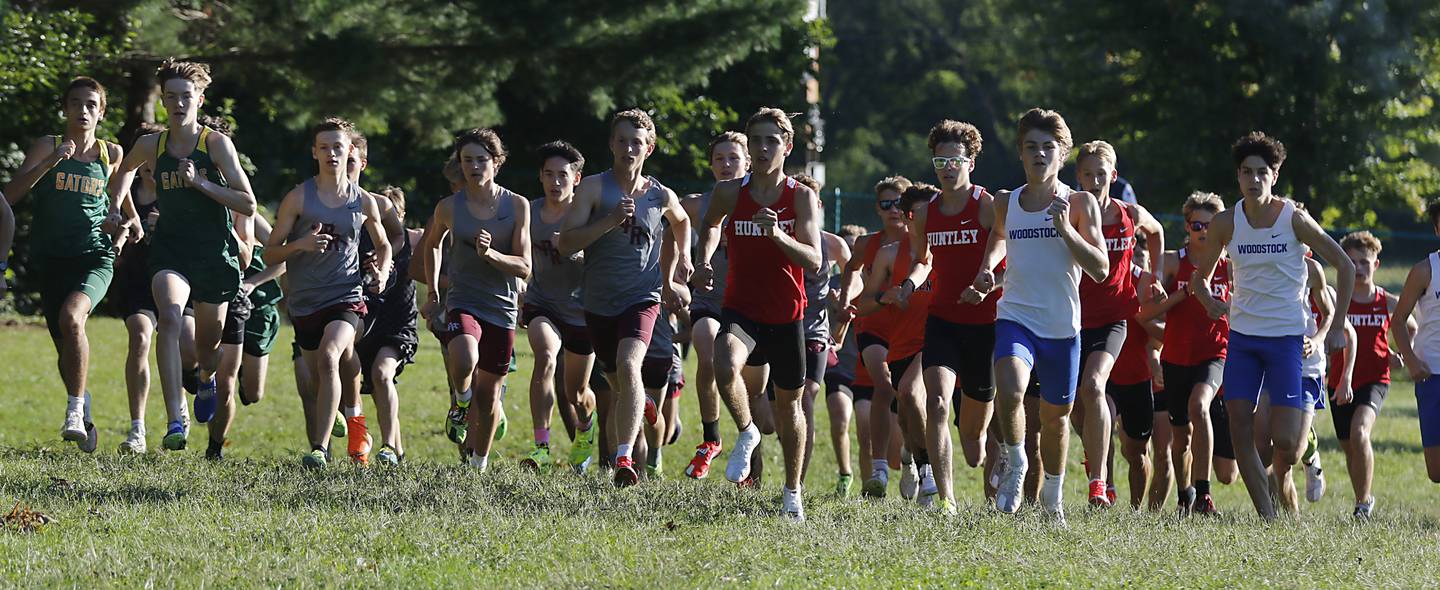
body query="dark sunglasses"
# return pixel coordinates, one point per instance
(1199, 225)
(887, 204)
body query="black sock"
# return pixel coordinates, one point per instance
(1202, 487)
(922, 458)
(712, 431)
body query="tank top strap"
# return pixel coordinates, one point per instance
(202, 146)
(160, 144)
(104, 154)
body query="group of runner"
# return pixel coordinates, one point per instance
(1035, 305)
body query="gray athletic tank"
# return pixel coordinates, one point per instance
(476, 286)
(712, 300)
(554, 279)
(622, 267)
(817, 316)
(322, 279)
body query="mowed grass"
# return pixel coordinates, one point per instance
(258, 519)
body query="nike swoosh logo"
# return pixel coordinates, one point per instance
(1049, 218)
(967, 221)
(1273, 236)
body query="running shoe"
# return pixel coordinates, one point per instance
(387, 456)
(92, 439)
(582, 449)
(1205, 506)
(625, 475)
(652, 413)
(1362, 510)
(1111, 493)
(1098, 497)
(502, 426)
(1314, 480)
(538, 460)
(909, 481)
(737, 467)
(751, 482)
(928, 490)
(315, 459)
(1186, 502)
(455, 426)
(876, 485)
(791, 508)
(359, 443)
(1057, 517)
(338, 430)
(843, 485)
(1008, 494)
(699, 466)
(134, 443)
(74, 428)
(205, 401)
(215, 451)
(176, 435)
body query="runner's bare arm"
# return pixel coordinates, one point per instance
(1416, 283)
(1310, 234)
(1324, 298)
(1206, 256)
(278, 247)
(985, 279)
(578, 232)
(919, 245)
(1082, 234)
(518, 264)
(378, 237)
(681, 226)
(804, 247)
(433, 253)
(238, 197)
(722, 203)
(1154, 239)
(877, 278)
(272, 271)
(39, 159)
(1411, 326)
(124, 174)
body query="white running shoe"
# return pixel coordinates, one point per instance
(737, 467)
(997, 473)
(909, 481)
(134, 443)
(74, 428)
(1007, 496)
(1314, 480)
(792, 509)
(928, 489)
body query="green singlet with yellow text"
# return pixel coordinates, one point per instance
(194, 236)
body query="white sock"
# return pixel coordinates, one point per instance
(622, 450)
(1015, 454)
(463, 397)
(1050, 490)
(353, 411)
(481, 462)
(137, 425)
(74, 404)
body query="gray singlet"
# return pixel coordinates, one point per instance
(321, 279)
(554, 279)
(622, 267)
(476, 286)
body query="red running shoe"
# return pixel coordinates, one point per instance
(1098, 497)
(625, 475)
(1205, 506)
(699, 466)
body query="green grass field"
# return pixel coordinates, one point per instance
(258, 519)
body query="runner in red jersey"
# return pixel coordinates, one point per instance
(1105, 306)
(1355, 410)
(773, 236)
(872, 376)
(1130, 391)
(888, 286)
(1193, 358)
(947, 239)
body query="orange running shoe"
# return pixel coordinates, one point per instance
(1098, 497)
(360, 441)
(699, 466)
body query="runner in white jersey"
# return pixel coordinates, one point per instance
(1421, 351)
(729, 159)
(1049, 235)
(1265, 238)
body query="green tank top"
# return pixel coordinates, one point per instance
(190, 221)
(70, 204)
(268, 293)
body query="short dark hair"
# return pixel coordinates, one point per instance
(893, 183)
(1048, 121)
(1256, 143)
(485, 138)
(396, 196)
(779, 118)
(809, 181)
(734, 137)
(952, 131)
(332, 124)
(563, 150)
(87, 83)
(918, 193)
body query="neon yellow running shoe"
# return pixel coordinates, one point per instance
(582, 449)
(843, 485)
(538, 459)
(455, 427)
(502, 426)
(339, 430)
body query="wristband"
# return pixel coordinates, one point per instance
(908, 285)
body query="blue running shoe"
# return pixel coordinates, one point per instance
(176, 435)
(205, 401)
